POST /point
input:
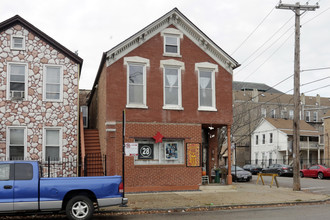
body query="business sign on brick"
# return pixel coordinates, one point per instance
(146, 151)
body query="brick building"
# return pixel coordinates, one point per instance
(175, 85)
(38, 97)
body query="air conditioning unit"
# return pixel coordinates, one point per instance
(17, 95)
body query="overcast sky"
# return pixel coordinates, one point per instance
(253, 32)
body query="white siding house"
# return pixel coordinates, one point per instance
(271, 142)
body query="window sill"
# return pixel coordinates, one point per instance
(208, 109)
(137, 106)
(179, 108)
(171, 55)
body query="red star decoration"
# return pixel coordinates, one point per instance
(158, 137)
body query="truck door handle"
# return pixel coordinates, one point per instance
(8, 187)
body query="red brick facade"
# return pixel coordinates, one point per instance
(185, 125)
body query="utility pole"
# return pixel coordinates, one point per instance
(297, 8)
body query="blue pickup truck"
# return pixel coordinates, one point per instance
(23, 190)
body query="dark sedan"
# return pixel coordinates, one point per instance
(239, 174)
(254, 169)
(280, 169)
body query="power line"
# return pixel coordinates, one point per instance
(315, 69)
(252, 32)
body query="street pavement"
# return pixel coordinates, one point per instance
(217, 196)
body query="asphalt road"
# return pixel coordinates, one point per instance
(298, 212)
(320, 186)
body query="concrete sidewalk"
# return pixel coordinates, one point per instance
(216, 196)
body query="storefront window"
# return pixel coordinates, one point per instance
(151, 153)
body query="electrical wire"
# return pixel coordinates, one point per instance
(252, 32)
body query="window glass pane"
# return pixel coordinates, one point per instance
(52, 137)
(205, 80)
(17, 42)
(17, 86)
(171, 49)
(52, 96)
(135, 74)
(23, 171)
(171, 77)
(4, 171)
(17, 78)
(171, 96)
(206, 97)
(171, 40)
(53, 88)
(17, 69)
(52, 153)
(53, 75)
(16, 152)
(16, 136)
(136, 94)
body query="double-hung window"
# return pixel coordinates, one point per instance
(172, 84)
(17, 81)
(171, 39)
(206, 86)
(53, 83)
(84, 111)
(136, 82)
(16, 143)
(308, 116)
(52, 144)
(17, 42)
(315, 116)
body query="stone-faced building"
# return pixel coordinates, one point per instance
(38, 96)
(175, 85)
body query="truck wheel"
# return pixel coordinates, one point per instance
(79, 208)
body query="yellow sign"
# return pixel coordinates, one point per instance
(193, 154)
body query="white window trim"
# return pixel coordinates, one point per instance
(60, 143)
(180, 66)
(208, 67)
(137, 61)
(25, 83)
(172, 32)
(44, 83)
(8, 139)
(12, 42)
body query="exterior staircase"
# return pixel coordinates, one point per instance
(93, 160)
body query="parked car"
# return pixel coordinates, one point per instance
(316, 171)
(23, 190)
(240, 174)
(253, 168)
(280, 169)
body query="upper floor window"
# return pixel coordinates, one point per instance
(308, 116)
(315, 116)
(270, 137)
(136, 82)
(17, 81)
(263, 139)
(84, 111)
(17, 42)
(53, 83)
(171, 41)
(291, 114)
(172, 84)
(257, 139)
(52, 144)
(16, 143)
(273, 113)
(206, 86)
(263, 112)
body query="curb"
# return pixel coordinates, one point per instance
(207, 208)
